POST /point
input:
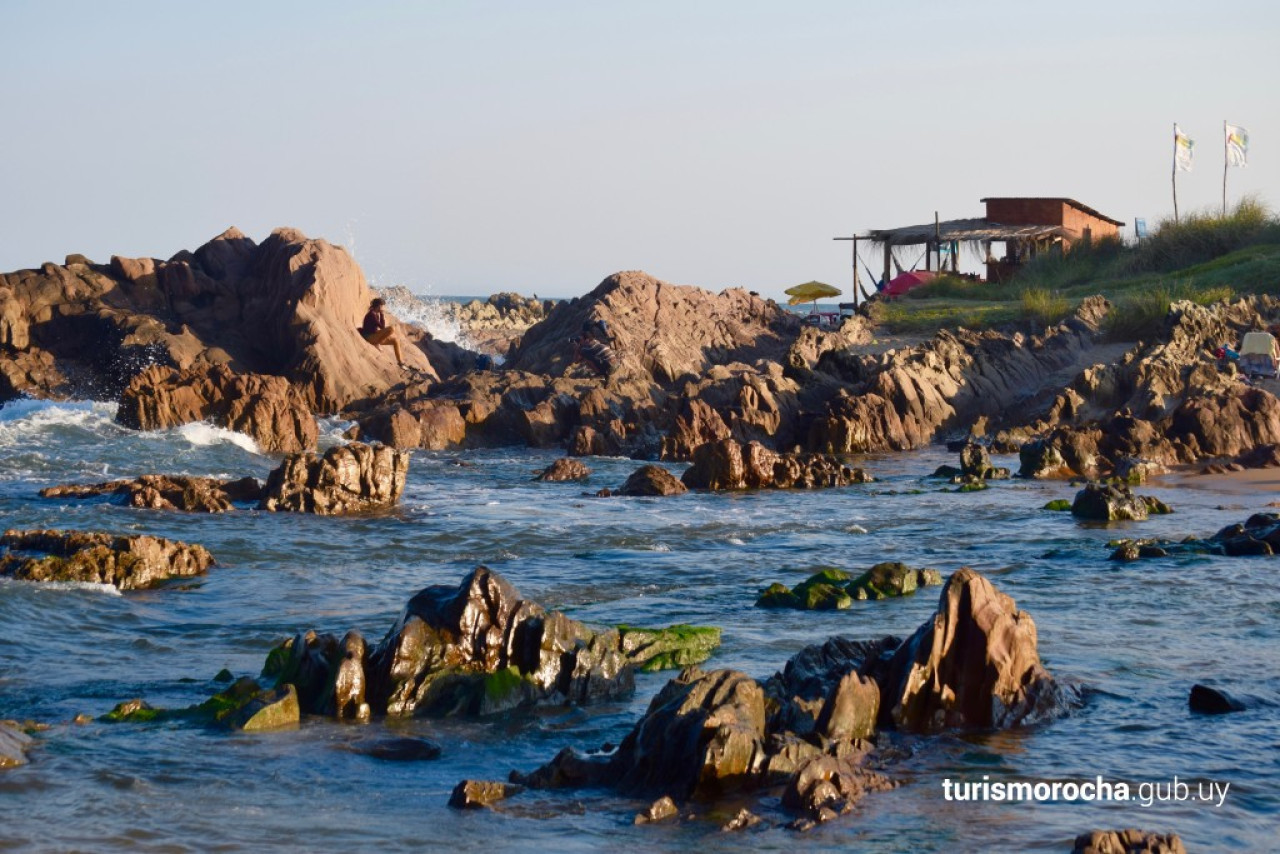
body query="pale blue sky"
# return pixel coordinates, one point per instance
(466, 148)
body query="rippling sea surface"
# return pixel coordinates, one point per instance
(1136, 636)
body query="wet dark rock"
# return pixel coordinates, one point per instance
(728, 465)
(829, 786)
(267, 710)
(651, 481)
(477, 794)
(1213, 701)
(401, 749)
(563, 469)
(975, 463)
(354, 478)
(891, 579)
(975, 664)
(1257, 536)
(1108, 503)
(744, 819)
(477, 648)
(1128, 842)
(1041, 459)
(127, 562)
(167, 492)
(14, 744)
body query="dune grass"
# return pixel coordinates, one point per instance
(1203, 258)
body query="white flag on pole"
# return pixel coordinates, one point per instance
(1237, 146)
(1182, 149)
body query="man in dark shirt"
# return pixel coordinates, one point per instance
(374, 329)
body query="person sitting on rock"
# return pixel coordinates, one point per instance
(374, 329)
(595, 353)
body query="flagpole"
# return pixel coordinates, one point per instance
(1225, 161)
(1175, 173)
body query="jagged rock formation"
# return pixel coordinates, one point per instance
(266, 408)
(286, 307)
(354, 478)
(475, 649)
(127, 562)
(710, 734)
(167, 492)
(975, 664)
(727, 464)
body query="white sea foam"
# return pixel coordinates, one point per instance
(57, 586)
(428, 313)
(855, 529)
(202, 434)
(737, 541)
(23, 419)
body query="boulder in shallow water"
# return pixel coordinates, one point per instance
(651, 481)
(1108, 503)
(668, 648)
(476, 794)
(167, 492)
(564, 469)
(730, 465)
(127, 562)
(354, 478)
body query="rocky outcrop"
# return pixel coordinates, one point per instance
(354, 478)
(1128, 842)
(975, 664)
(711, 734)
(651, 481)
(268, 409)
(287, 307)
(126, 562)
(728, 464)
(1259, 535)
(478, 648)
(565, 469)
(167, 492)
(660, 331)
(1102, 502)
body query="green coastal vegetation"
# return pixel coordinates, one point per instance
(1205, 257)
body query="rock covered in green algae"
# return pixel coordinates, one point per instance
(1058, 505)
(669, 648)
(834, 589)
(244, 705)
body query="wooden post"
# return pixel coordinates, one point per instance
(888, 256)
(856, 286)
(955, 257)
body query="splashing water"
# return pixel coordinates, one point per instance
(427, 313)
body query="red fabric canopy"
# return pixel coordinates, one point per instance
(905, 282)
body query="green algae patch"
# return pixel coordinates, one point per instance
(1058, 505)
(834, 589)
(133, 711)
(667, 648)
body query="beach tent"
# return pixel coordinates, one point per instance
(908, 281)
(811, 292)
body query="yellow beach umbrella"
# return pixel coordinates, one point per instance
(811, 292)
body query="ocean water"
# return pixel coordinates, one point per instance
(1135, 637)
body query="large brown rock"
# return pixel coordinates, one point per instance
(167, 492)
(1131, 841)
(354, 478)
(728, 464)
(651, 480)
(266, 408)
(975, 664)
(127, 562)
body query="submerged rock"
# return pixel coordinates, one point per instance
(563, 469)
(167, 492)
(354, 478)
(127, 562)
(1213, 701)
(1128, 842)
(14, 744)
(244, 705)
(401, 749)
(1259, 535)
